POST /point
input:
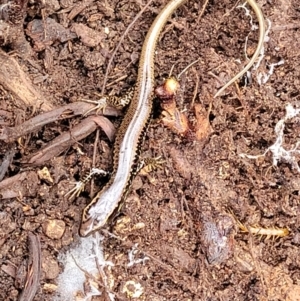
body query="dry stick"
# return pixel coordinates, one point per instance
(187, 67)
(197, 83)
(100, 268)
(34, 269)
(286, 27)
(196, 89)
(65, 140)
(14, 79)
(202, 11)
(191, 64)
(259, 47)
(10, 134)
(119, 44)
(116, 80)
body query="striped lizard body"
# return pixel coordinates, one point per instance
(132, 129)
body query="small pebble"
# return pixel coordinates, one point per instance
(50, 268)
(49, 287)
(54, 229)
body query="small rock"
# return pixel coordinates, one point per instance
(6, 226)
(51, 6)
(9, 269)
(50, 268)
(44, 174)
(54, 229)
(50, 287)
(93, 60)
(122, 224)
(29, 225)
(296, 239)
(139, 226)
(67, 238)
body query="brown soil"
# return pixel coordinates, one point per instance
(204, 187)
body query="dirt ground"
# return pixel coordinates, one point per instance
(186, 217)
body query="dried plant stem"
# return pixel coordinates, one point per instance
(119, 44)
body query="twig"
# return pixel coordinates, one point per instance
(65, 140)
(10, 134)
(202, 11)
(34, 269)
(196, 89)
(119, 44)
(187, 67)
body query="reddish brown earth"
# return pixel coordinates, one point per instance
(180, 213)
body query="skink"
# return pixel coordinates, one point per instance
(132, 129)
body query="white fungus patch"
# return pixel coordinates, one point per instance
(280, 154)
(262, 77)
(80, 270)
